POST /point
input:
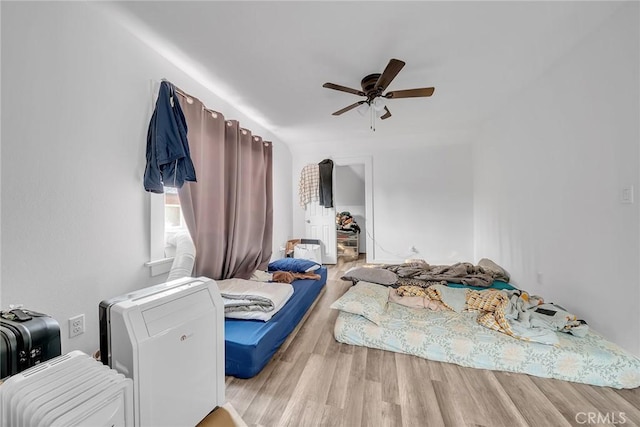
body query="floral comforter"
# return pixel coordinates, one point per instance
(447, 336)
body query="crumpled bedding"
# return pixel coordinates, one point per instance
(414, 297)
(249, 299)
(482, 275)
(515, 313)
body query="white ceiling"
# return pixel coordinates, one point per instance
(273, 57)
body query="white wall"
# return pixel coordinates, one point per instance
(549, 170)
(282, 203)
(422, 197)
(349, 195)
(76, 104)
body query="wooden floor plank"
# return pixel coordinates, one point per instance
(263, 399)
(326, 342)
(331, 416)
(247, 390)
(445, 394)
(419, 405)
(530, 401)
(389, 378)
(631, 396)
(435, 370)
(391, 415)
(609, 402)
(374, 365)
(466, 399)
(371, 408)
(499, 399)
(284, 392)
(339, 380)
(313, 380)
(566, 398)
(354, 401)
(292, 413)
(311, 413)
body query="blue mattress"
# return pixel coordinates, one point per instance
(249, 344)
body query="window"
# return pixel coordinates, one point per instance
(173, 219)
(165, 220)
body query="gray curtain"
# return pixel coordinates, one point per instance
(229, 210)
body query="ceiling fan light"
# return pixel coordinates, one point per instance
(379, 104)
(362, 109)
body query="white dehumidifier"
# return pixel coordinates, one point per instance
(169, 339)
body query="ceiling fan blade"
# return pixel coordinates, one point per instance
(350, 107)
(343, 89)
(410, 93)
(386, 115)
(393, 68)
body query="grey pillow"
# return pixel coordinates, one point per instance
(494, 269)
(372, 275)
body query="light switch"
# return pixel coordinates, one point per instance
(626, 195)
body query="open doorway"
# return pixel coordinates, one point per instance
(349, 198)
(359, 174)
(320, 222)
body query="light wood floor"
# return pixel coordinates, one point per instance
(315, 381)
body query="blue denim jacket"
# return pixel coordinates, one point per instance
(168, 159)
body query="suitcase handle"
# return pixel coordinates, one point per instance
(17, 315)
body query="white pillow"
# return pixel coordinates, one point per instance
(365, 299)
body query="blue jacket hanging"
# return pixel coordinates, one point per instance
(168, 159)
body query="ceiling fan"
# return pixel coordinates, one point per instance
(373, 87)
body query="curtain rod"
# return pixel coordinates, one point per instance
(190, 98)
(213, 113)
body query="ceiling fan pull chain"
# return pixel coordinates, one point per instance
(373, 119)
(371, 124)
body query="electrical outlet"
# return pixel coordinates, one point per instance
(76, 325)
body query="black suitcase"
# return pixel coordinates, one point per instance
(26, 339)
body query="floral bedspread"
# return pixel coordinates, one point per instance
(447, 336)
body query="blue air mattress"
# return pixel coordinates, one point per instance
(249, 344)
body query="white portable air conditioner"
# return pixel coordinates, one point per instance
(169, 339)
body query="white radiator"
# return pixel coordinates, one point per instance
(66, 391)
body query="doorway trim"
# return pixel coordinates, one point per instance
(367, 161)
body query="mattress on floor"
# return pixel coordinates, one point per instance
(446, 336)
(250, 344)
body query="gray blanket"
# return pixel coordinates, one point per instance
(246, 303)
(462, 272)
